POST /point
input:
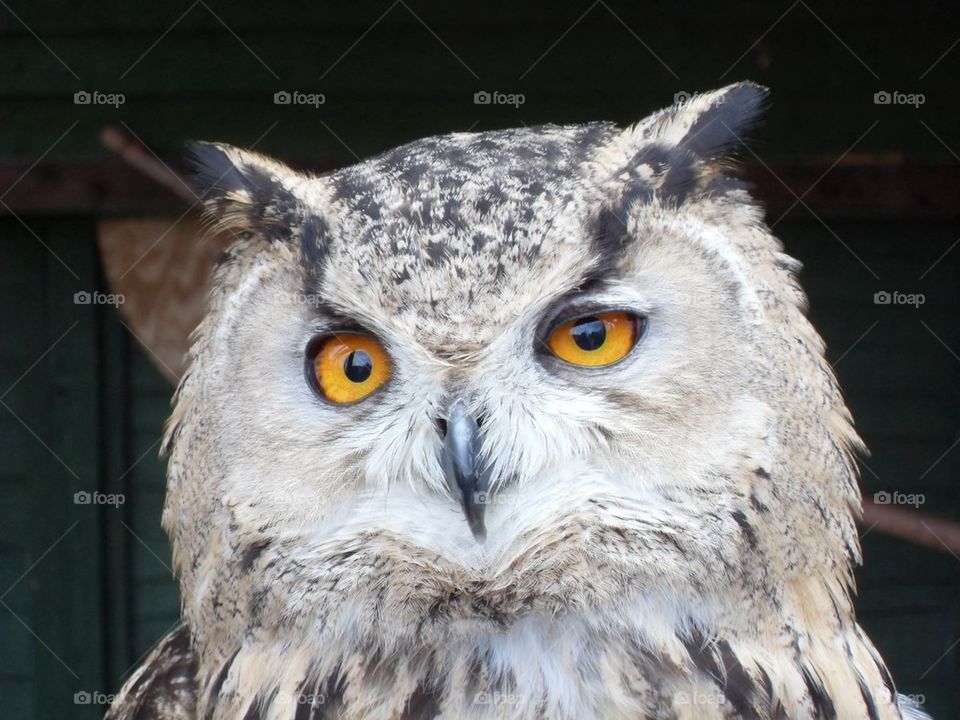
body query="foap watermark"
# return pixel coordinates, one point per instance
(485, 497)
(312, 300)
(295, 97)
(917, 699)
(95, 97)
(484, 97)
(899, 498)
(914, 701)
(86, 697)
(895, 97)
(896, 297)
(83, 497)
(496, 698)
(693, 300)
(288, 700)
(699, 698)
(98, 298)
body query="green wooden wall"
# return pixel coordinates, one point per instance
(86, 589)
(901, 375)
(50, 443)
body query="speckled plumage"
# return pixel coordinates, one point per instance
(668, 537)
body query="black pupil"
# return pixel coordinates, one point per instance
(589, 333)
(358, 366)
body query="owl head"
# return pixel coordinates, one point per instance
(488, 377)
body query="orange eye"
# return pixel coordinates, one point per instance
(595, 340)
(347, 367)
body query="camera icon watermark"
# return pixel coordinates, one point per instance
(98, 298)
(85, 697)
(895, 97)
(484, 497)
(681, 96)
(83, 497)
(898, 298)
(295, 97)
(95, 97)
(484, 97)
(898, 498)
(489, 499)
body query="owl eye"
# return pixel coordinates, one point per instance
(596, 340)
(346, 367)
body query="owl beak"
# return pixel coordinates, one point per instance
(462, 465)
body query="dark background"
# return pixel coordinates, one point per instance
(85, 590)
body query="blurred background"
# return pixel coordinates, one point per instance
(857, 164)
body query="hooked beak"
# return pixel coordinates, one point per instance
(462, 466)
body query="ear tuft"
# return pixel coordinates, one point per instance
(714, 122)
(244, 192)
(215, 169)
(707, 124)
(679, 152)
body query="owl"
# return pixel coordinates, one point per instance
(516, 424)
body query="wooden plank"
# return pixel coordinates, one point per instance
(69, 601)
(114, 422)
(84, 187)
(154, 598)
(848, 192)
(867, 190)
(159, 600)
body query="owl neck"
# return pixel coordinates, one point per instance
(641, 660)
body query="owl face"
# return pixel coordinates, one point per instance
(528, 368)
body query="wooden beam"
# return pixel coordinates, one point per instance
(858, 190)
(83, 187)
(852, 191)
(913, 526)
